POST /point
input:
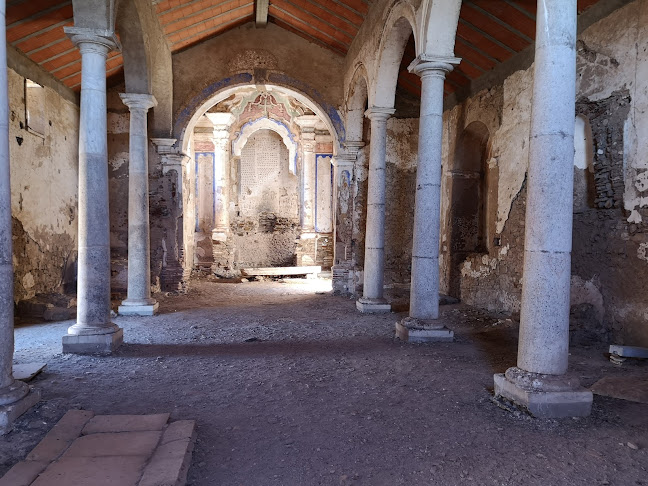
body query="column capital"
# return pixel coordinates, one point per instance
(164, 145)
(307, 122)
(379, 113)
(93, 40)
(137, 101)
(430, 65)
(353, 146)
(221, 121)
(343, 160)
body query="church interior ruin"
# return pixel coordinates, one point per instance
(323, 242)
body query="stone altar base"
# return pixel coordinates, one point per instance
(93, 343)
(9, 413)
(544, 396)
(415, 331)
(373, 306)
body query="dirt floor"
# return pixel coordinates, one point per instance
(291, 386)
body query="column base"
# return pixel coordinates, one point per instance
(544, 396)
(138, 309)
(93, 343)
(10, 412)
(373, 306)
(413, 330)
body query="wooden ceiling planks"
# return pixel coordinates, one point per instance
(489, 31)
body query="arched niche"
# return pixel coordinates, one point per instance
(470, 200)
(584, 189)
(282, 130)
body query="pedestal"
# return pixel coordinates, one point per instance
(93, 343)
(373, 306)
(417, 331)
(545, 396)
(9, 413)
(138, 308)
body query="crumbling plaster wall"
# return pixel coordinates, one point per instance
(44, 175)
(609, 282)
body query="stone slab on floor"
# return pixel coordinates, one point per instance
(109, 450)
(631, 388)
(27, 371)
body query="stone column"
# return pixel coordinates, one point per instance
(222, 151)
(422, 323)
(138, 300)
(15, 396)
(204, 157)
(539, 381)
(307, 125)
(93, 331)
(343, 165)
(372, 296)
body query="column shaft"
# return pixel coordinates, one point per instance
(221, 177)
(375, 232)
(205, 194)
(544, 326)
(139, 301)
(308, 185)
(6, 260)
(93, 285)
(424, 293)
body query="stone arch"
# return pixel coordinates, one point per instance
(147, 60)
(216, 92)
(469, 196)
(438, 27)
(356, 101)
(276, 126)
(400, 24)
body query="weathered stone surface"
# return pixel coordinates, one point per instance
(61, 436)
(170, 462)
(414, 335)
(95, 471)
(107, 444)
(23, 473)
(125, 423)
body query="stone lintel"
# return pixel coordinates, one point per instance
(9, 413)
(373, 306)
(307, 122)
(93, 343)
(128, 309)
(164, 145)
(545, 404)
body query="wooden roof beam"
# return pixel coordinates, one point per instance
(261, 13)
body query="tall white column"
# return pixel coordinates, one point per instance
(222, 152)
(93, 331)
(539, 381)
(308, 144)
(138, 301)
(422, 323)
(15, 396)
(374, 261)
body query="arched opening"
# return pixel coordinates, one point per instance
(584, 187)
(259, 183)
(469, 200)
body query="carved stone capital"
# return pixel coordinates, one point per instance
(379, 113)
(93, 40)
(136, 101)
(430, 65)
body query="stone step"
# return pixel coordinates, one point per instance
(279, 271)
